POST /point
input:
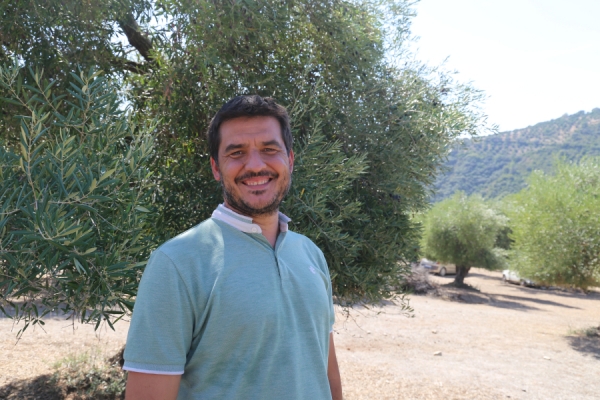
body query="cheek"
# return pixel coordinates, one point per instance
(230, 170)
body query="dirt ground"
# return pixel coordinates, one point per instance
(504, 341)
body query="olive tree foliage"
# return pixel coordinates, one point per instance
(60, 33)
(371, 127)
(61, 36)
(465, 231)
(556, 226)
(74, 229)
(331, 59)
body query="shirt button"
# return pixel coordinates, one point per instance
(254, 230)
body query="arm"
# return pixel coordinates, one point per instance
(151, 386)
(333, 372)
(159, 334)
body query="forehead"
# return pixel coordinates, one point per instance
(249, 129)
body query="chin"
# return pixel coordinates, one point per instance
(253, 208)
(253, 203)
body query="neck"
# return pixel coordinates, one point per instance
(269, 224)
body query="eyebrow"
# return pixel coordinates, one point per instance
(234, 146)
(273, 142)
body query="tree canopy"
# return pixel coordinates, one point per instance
(556, 225)
(371, 126)
(465, 231)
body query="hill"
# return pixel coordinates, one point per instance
(499, 164)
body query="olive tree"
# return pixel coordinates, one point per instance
(371, 126)
(464, 230)
(345, 64)
(60, 36)
(74, 198)
(556, 225)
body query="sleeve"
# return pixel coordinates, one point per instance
(325, 269)
(160, 333)
(331, 309)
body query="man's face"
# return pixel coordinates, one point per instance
(253, 166)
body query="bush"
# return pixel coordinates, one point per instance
(86, 377)
(418, 282)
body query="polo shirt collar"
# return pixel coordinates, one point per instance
(243, 223)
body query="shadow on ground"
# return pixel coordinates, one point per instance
(497, 300)
(587, 345)
(538, 301)
(42, 387)
(46, 387)
(486, 277)
(593, 295)
(482, 298)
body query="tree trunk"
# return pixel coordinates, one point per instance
(461, 273)
(136, 37)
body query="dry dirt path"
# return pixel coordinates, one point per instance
(502, 342)
(38, 350)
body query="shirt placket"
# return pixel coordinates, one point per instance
(279, 264)
(281, 267)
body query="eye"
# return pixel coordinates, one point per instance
(270, 150)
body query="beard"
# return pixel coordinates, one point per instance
(243, 207)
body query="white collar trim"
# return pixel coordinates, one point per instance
(243, 223)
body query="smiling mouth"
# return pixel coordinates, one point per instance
(256, 183)
(256, 179)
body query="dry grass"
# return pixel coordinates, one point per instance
(589, 332)
(81, 376)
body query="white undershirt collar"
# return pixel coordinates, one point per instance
(243, 223)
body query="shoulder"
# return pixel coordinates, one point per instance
(206, 235)
(192, 259)
(197, 253)
(301, 240)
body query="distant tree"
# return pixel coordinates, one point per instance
(464, 230)
(556, 225)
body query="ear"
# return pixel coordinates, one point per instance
(291, 161)
(215, 169)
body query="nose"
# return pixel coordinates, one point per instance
(254, 161)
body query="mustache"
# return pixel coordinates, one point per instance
(248, 175)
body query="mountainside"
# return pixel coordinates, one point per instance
(497, 165)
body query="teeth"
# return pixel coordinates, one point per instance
(257, 183)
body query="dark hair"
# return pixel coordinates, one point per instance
(248, 106)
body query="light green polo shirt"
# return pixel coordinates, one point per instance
(237, 318)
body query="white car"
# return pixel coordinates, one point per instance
(513, 277)
(435, 267)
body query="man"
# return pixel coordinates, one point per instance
(237, 307)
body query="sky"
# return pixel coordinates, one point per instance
(536, 60)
